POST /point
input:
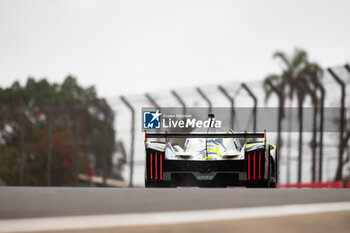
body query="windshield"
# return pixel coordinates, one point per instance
(207, 148)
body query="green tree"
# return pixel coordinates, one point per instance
(82, 129)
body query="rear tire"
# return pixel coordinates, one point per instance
(272, 184)
(150, 184)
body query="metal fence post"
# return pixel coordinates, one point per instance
(279, 124)
(347, 67)
(127, 103)
(180, 100)
(152, 101)
(232, 104)
(205, 97)
(323, 93)
(245, 87)
(339, 174)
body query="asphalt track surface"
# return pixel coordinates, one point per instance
(42, 202)
(26, 202)
(318, 223)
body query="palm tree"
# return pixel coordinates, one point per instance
(314, 74)
(294, 81)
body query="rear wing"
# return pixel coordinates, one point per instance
(205, 135)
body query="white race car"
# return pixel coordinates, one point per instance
(217, 158)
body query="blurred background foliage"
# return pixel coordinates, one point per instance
(82, 133)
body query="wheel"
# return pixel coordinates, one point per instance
(151, 184)
(272, 184)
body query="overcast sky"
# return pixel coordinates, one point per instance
(125, 47)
